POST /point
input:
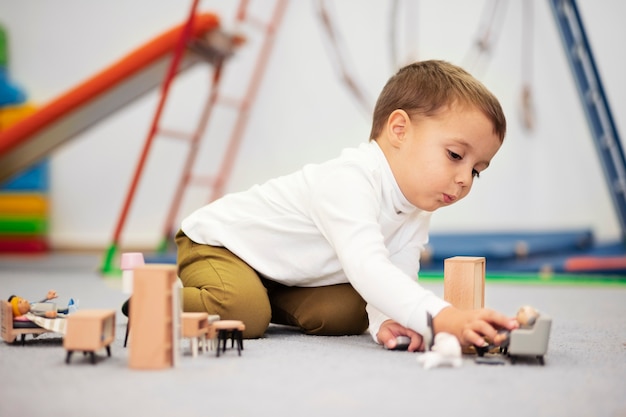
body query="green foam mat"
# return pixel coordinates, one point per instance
(539, 279)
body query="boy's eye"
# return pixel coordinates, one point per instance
(454, 156)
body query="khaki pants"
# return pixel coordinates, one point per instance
(218, 282)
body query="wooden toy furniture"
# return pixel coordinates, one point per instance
(195, 326)
(464, 282)
(154, 317)
(531, 341)
(225, 329)
(89, 331)
(10, 329)
(129, 261)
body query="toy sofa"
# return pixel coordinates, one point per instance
(532, 341)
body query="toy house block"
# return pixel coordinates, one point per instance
(464, 282)
(89, 331)
(195, 326)
(154, 316)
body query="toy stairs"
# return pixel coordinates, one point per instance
(594, 102)
(215, 50)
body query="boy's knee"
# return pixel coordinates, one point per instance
(253, 309)
(335, 319)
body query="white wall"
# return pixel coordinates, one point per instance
(547, 179)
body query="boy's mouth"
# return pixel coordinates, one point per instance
(448, 199)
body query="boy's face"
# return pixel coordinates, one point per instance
(436, 159)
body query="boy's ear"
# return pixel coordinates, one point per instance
(397, 125)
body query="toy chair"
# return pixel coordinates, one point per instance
(532, 341)
(225, 329)
(195, 326)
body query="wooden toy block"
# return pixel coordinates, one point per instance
(89, 331)
(10, 332)
(225, 329)
(154, 316)
(195, 326)
(464, 282)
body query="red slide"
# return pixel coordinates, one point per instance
(54, 123)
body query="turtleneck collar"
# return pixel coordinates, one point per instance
(400, 203)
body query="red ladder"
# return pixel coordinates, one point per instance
(216, 55)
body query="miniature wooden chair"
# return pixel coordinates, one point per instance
(226, 329)
(195, 326)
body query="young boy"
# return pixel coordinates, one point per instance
(334, 248)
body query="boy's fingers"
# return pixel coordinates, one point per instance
(500, 320)
(472, 338)
(480, 330)
(386, 337)
(417, 343)
(500, 337)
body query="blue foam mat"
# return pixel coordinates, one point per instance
(531, 252)
(546, 256)
(509, 245)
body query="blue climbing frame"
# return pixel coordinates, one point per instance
(594, 102)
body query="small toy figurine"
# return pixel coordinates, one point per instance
(527, 316)
(446, 351)
(442, 350)
(20, 306)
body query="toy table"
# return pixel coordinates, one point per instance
(89, 331)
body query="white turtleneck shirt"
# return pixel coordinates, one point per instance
(345, 220)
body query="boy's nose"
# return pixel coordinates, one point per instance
(464, 178)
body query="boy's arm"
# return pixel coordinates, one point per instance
(376, 319)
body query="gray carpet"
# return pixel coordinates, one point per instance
(290, 374)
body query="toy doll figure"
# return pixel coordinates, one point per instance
(43, 308)
(526, 316)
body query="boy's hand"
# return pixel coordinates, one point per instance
(52, 294)
(472, 327)
(390, 329)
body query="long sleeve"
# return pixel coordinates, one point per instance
(347, 209)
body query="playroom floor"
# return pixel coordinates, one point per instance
(290, 374)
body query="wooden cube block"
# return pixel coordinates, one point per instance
(464, 282)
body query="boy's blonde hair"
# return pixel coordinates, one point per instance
(425, 87)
